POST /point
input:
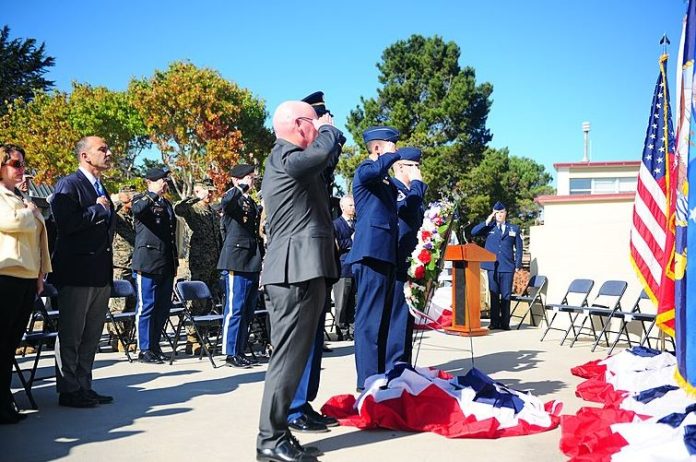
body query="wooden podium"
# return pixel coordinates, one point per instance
(466, 288)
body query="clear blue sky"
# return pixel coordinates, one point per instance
(553, 64)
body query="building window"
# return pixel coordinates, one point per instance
(581, 186)
(610, 185)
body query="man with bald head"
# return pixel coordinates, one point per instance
(299, 259)
(82, 270)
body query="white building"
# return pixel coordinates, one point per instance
(585, 230)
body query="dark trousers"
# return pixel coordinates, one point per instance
(308, 387)
(400, 339)
(154, 294)
(82, 315)
(375, 284)
(344, 295)
(17, 297)
(241, 294)
(294, 310)
(500, 286)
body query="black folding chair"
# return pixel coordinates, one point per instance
(260, 329)
(123, 322)
(606, 303)
(38, 340)
(636, 314)
(531, 295)
(578, 289)
(188, 291)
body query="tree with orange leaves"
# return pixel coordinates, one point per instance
(202, 123)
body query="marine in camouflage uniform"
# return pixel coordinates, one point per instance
(124, 240)
(205, 241)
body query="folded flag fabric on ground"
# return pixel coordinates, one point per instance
(645, 415)
(429, 400)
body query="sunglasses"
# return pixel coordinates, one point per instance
(14, 163)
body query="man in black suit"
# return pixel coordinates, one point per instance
(155, 261)
(82, 271)
(299, 260)
(239, 264)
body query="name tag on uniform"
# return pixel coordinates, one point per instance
(512, 234)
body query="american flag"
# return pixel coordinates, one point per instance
(652, 234)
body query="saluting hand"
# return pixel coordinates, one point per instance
(490, 218)
(326, 119)
(415, 173)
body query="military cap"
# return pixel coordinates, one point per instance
(499, 206)
(156, 173)
(241, 170)
(206, 183)
(410, 153)
(316, 100)
(381, 133)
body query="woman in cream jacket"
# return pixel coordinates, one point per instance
(24, 260)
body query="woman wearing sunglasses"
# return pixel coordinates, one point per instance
(24, 260)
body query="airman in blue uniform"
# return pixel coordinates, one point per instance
(373, 255)
(505, 241)
(409, 205)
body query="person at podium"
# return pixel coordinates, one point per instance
(505, 241)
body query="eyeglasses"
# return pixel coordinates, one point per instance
(410, 165)
(14, 163)
(308, 119)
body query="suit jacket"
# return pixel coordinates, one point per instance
(410, 210)
(376, 228)
(344, 242)
(155, 235)
(82, 254)
(240, 250)
(300, 233)
(506, 246)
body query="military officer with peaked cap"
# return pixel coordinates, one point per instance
(409, 205)
(373, 255)
(155, 259)
(239, 264)
(505, 241)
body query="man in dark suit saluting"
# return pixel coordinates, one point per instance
(299, 259)
(82, 271)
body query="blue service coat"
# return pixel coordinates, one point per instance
(344, 242)
(376, 228)
(410, 210)
(507, 246)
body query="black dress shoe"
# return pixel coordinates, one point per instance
(311, 450)
(160, 354)
(305, 423)
(284, 452)
(76, 399)
(238, 361)
(251, 360)
(101, 399)
(148, 356)
(323, 419)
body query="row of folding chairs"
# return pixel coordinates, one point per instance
(588, 318)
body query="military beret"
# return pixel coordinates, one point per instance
(410, 153)
(316, 100)
(381, 133)
(499, 206)
(156, 173)
(241, 170)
